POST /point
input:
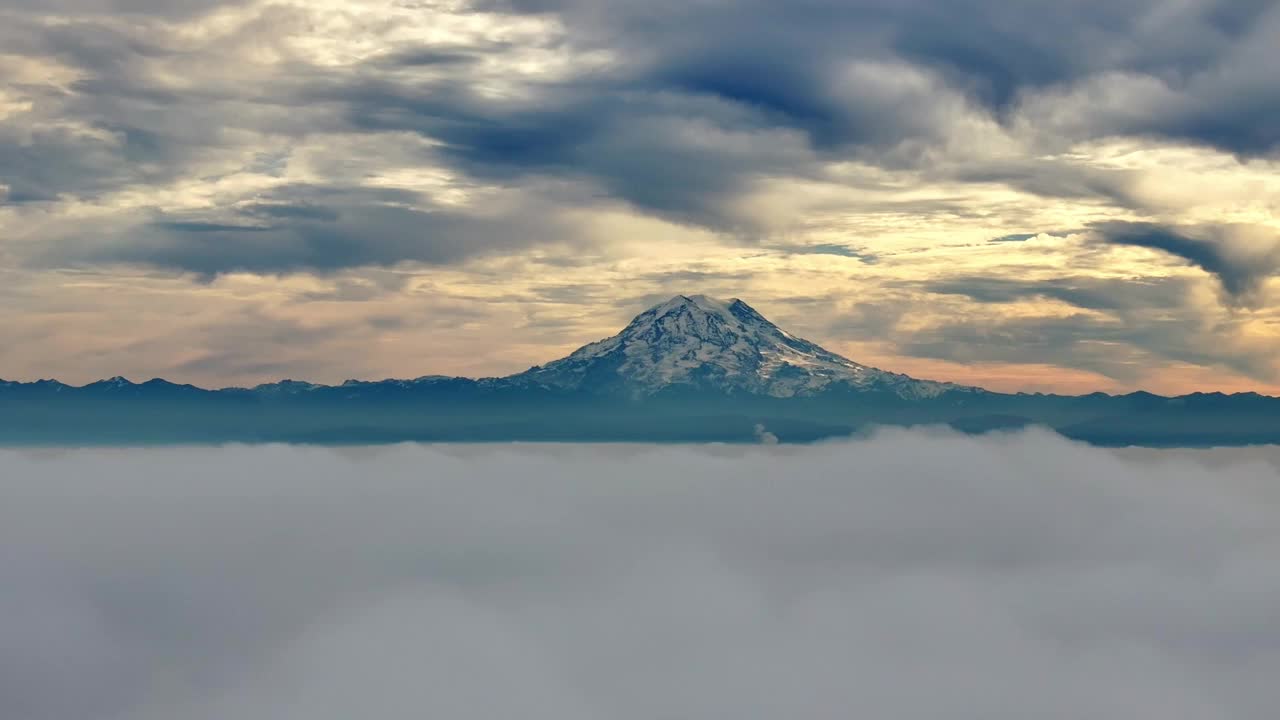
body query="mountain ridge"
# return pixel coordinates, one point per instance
(690, 369)
(693, 340)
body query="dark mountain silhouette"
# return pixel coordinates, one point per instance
(690, 369)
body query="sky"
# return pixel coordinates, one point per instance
(1043, 195)
(914, 575)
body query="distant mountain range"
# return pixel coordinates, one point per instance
(691, 369)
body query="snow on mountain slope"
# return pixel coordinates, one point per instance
(715, 344)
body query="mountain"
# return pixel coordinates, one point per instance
(720, 345)
(691, 369)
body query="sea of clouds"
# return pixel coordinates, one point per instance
(914, 574)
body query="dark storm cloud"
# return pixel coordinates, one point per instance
(658, 152)
(116, 124)
(319, 229)
(1089, 293)
(914, 575)
(781, 57)
(428, 57)
(1054, 180)
(54, 161)
(697, 103)
(878, 81)
(1242, 264)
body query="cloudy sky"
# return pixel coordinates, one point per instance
(1040, 195)
(914, 575)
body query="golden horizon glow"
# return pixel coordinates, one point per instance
(353, 189)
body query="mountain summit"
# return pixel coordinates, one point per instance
(693, 369)
(711, 344)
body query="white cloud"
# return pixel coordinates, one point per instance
(912, 575)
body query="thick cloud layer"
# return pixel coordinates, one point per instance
(1242, 258)
(912, 575)
(491, 152)
(676, 109)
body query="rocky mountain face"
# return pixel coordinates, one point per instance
(723, 345)
(693, 369)
(690, 342)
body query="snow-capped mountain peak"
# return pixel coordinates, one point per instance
(705, 342)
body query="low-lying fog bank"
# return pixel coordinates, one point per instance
(911, 575)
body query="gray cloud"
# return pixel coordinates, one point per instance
(700, 101)
(308, 228)
(675, 155)
(838, 250)
(160, 8)
(1086, 292)
(1242, 258)
(1119, 327)
(1102, 345)
(942, 577)
(1214, 49)
(1023, 237)
(121, 120)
